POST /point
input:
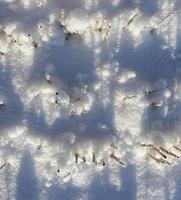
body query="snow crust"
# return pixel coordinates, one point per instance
(90, 99)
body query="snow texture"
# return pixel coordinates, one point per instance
(90, 99)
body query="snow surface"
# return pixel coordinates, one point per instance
(97, 82)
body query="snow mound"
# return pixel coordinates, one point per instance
(77, 21)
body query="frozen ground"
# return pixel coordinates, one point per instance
(97, 82)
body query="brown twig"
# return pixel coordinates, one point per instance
(166, 17)
(169, 152)
(117, 159)
(156, 149)
(156, 105)
(94, 158)
(1, 53)
(159, 160)
(152, 92)
(177, 148)
(76, 157)
(129, 97)
(2, 166)
(138, 14)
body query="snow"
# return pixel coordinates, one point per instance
(90, 99)
(77, 21)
